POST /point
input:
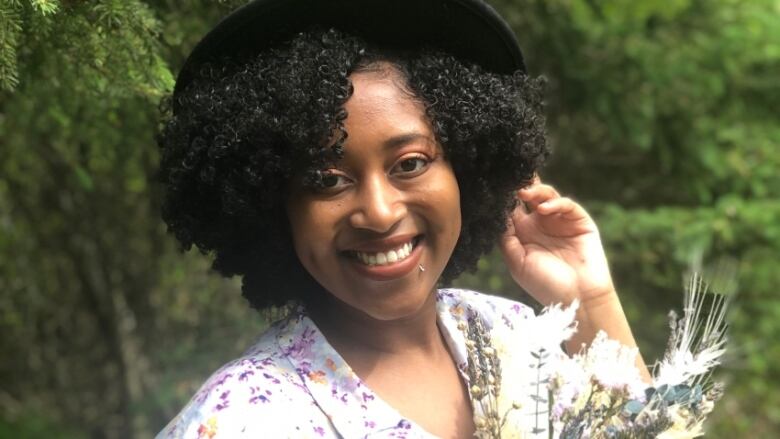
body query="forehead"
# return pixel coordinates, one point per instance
(381, 101)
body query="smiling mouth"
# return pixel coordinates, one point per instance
(388, 257)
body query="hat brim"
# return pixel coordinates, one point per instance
(468, 29)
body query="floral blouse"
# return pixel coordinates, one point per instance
(292, 383)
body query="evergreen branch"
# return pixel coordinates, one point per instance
(45, 7)
(10, 31)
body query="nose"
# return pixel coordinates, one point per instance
(380, 205)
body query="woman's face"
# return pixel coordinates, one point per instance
(390, 205)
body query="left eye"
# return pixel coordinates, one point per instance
(412, 165)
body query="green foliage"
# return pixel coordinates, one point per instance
(663, 116)
(96, 303)
(663, 120)
(10, 30)
(37, 427)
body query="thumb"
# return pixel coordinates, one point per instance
(511, 247)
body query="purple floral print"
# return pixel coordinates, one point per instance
(292, 383)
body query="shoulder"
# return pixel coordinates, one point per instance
(245, 397)
(493, 310)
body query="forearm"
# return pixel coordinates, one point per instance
(604, 313)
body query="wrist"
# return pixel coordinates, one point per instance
(598, 297)
(598, 306)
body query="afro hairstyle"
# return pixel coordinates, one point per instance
(246, 125)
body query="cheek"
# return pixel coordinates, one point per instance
(449, 194)
(312, 230)
(444, 200)
(455, 212)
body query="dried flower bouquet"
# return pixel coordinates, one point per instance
(598, 393)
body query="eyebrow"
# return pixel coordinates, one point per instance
(403, 139)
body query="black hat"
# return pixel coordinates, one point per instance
(468, 29)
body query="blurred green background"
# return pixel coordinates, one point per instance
(664, 119)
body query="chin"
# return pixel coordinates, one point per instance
(397, 308)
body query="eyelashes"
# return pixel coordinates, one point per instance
(418, 163)
(334, 180)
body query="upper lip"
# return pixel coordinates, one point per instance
(384, 244)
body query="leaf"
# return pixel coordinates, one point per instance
(84, 179)
(633, 407)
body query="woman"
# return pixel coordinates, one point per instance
(349, 157)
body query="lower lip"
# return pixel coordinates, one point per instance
(391, 271)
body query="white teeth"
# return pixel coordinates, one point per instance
(384, 258)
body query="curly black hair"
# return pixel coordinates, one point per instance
(244, 126)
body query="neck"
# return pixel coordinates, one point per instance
(351, 330)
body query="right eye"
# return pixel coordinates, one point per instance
(332, 181)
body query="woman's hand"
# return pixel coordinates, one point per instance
(554, 252)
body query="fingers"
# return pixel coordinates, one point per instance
(546, 200)
(537, 194)
(563, 206)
